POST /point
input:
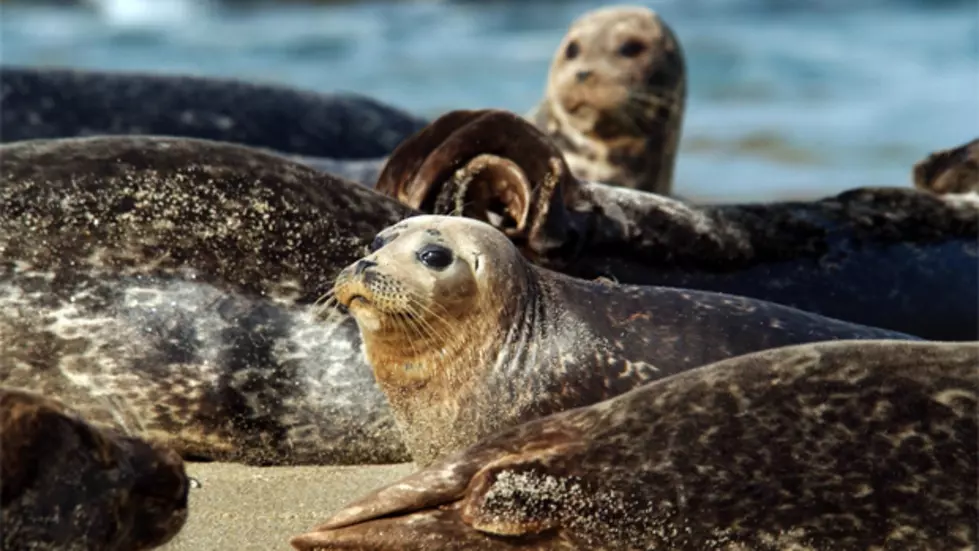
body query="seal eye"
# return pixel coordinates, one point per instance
(572, 50)
(631, 48)
(435, 257)
(377, 243)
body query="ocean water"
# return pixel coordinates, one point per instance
(786, 98)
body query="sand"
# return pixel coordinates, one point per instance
(260, 508)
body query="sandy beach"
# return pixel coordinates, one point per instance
(260, 508)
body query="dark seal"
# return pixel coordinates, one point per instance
(38, 103)
(954, 170)
(466, 337)
(168, 287)
(848, 446)
(888, 257)
(69, 485)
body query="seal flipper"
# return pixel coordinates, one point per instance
(430, 530)
(494, 158)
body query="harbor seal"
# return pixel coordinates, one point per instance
(887, 257)
(466, 337)
(42, 103)
(69, 485)
(844, 446)
(167, 287)
(954, 170)
(615, 97)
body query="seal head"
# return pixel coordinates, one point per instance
(954, 170)
(615, 98)
(69, 484)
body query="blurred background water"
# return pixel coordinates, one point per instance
(786, 97)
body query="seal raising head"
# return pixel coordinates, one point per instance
(615, 98)
(466, 337)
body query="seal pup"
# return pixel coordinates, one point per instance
(844, 446)
(40, 103)
(954, 170)
(466, 337)
(66, 484)
(615, 97)
(887, 257)
(167, 287)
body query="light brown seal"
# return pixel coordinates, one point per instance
(69, 485)
(615, 97)
(846, 256)
(954, 170)
(466, 337)
(848, 446)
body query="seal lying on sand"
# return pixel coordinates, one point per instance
(954, 170)
(889, 257)
(840, 446)
(69, 485)
(166, 286)
(466, 337)
(40, 103)
(615, 98)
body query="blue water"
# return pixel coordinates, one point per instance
(786, 97)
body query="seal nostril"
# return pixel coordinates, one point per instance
(582, 76)
(363, 265)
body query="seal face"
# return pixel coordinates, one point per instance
(954, 170)
(69, 485)
(466, 337)
(845, 446)
(615, 98)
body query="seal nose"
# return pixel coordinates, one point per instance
(582, 76)
(363, 265)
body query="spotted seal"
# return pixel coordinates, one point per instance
(954, 170)
(41, 103)
(466, 337)
(167, 287)
(69, 485)
(615, 97)
(844, 446)
(888, 257)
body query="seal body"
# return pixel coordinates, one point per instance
(69, 485)
(615, 97)
(466, 337)
(845, 446)
(40, 103)
(954, 170)
(890, 257)
(168, 287)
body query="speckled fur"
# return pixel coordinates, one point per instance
(69, 486)
(847, 446)
(166, 286)
(39, 103)
(622, 124)
(890, 257)
(536, 342)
